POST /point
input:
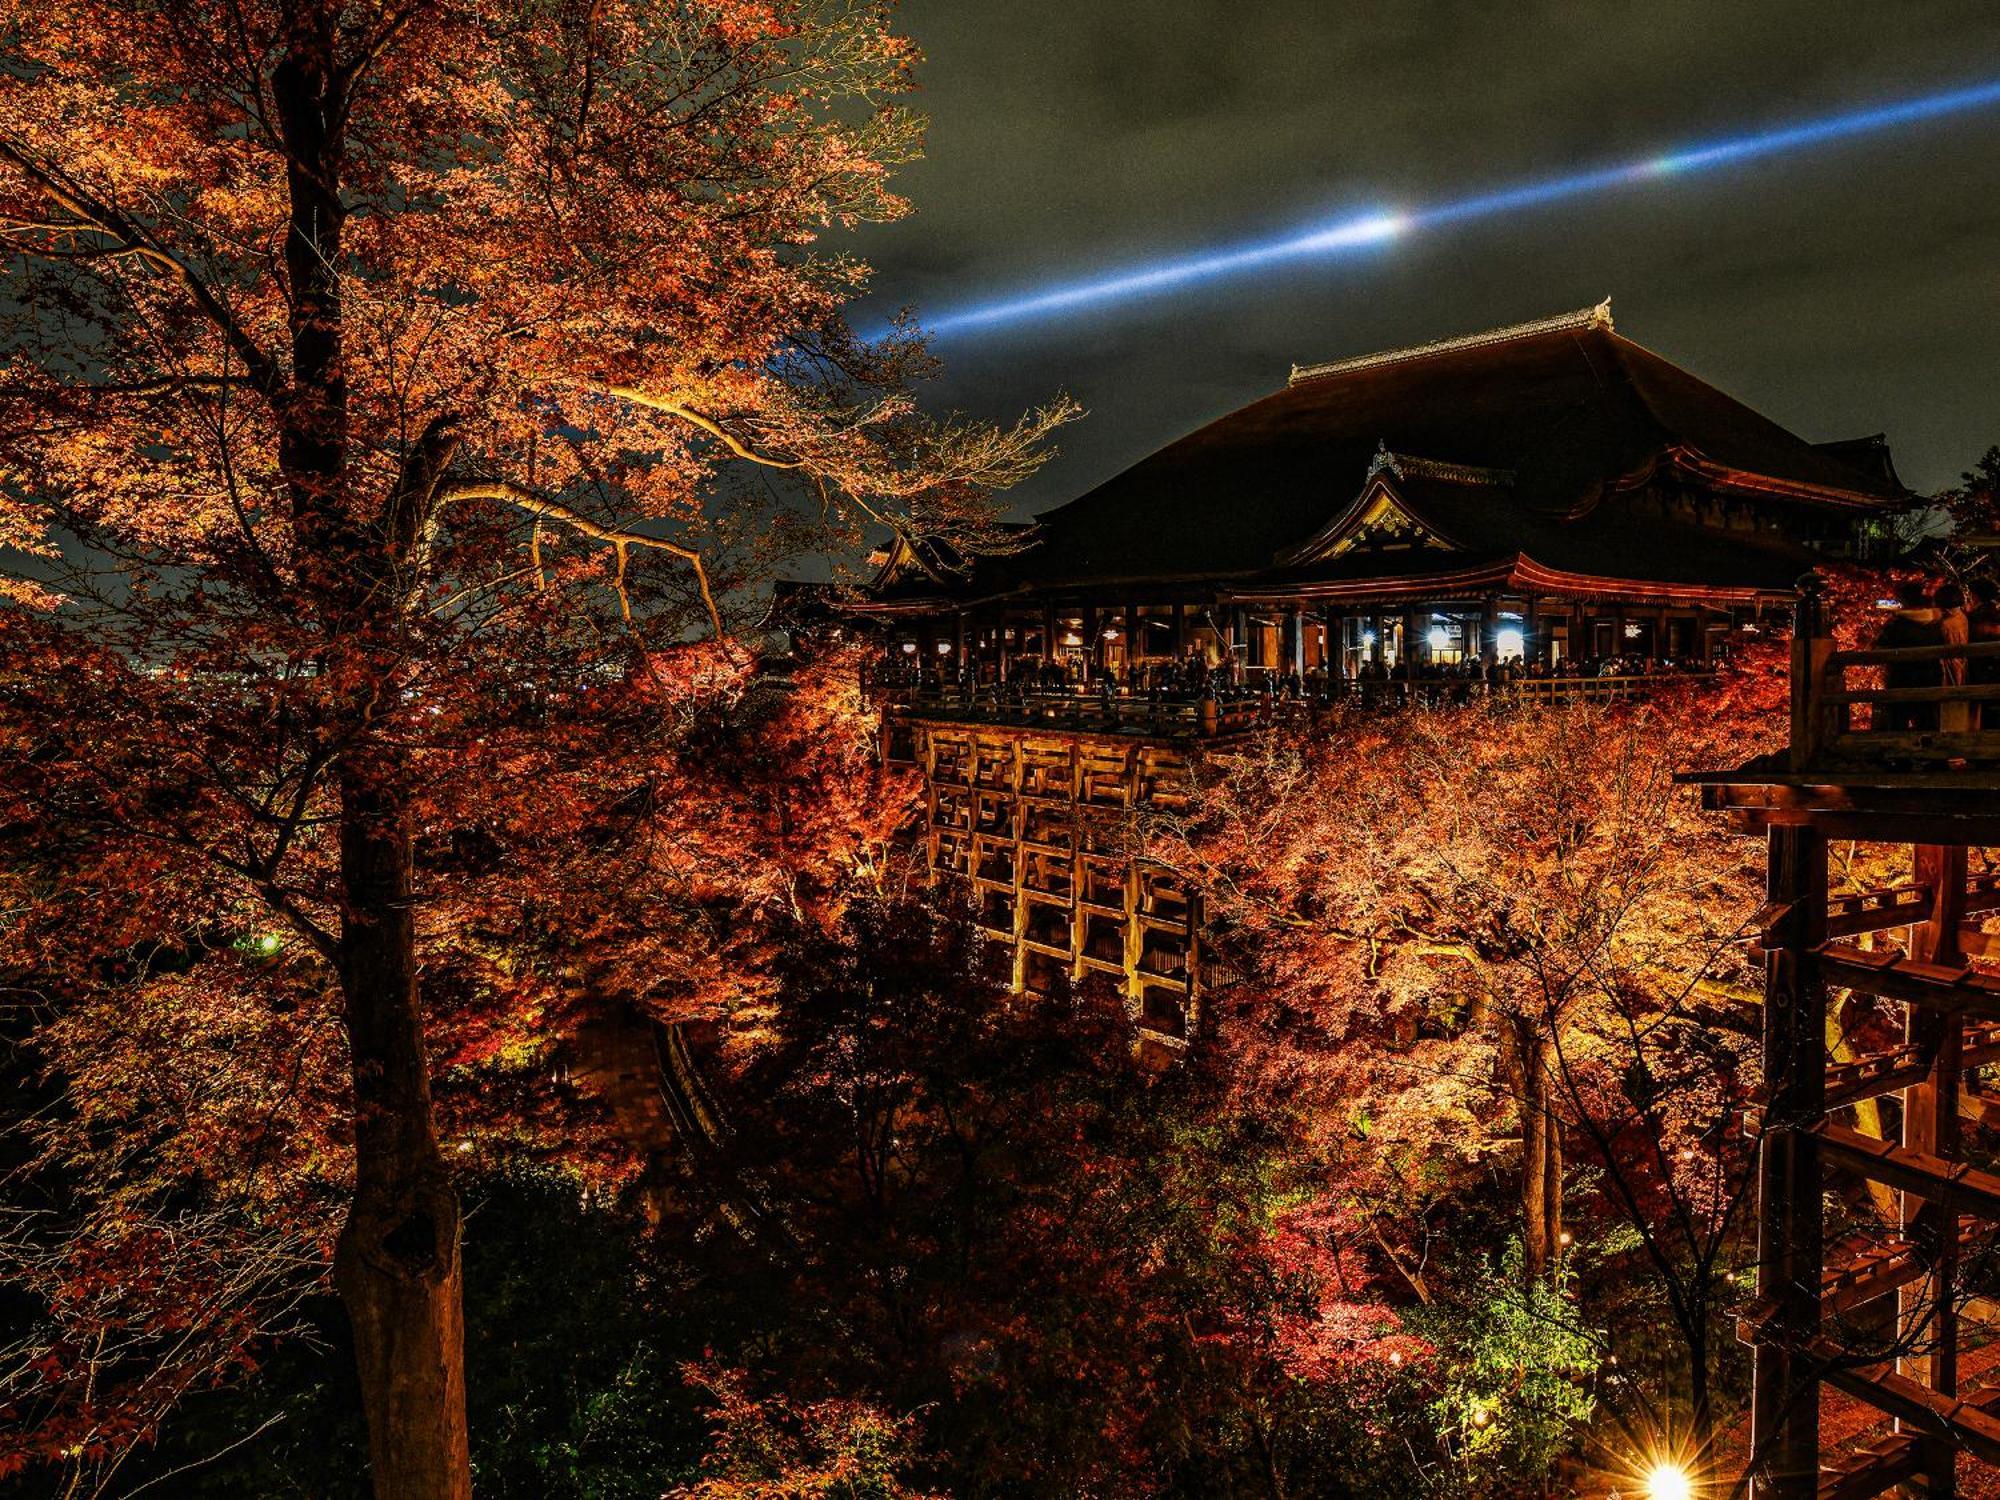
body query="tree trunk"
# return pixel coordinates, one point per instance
(397, 1264)
(1525, 1054)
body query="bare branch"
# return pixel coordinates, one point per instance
(617, 538)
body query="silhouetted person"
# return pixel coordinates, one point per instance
(1915, 623)
(1983, 629)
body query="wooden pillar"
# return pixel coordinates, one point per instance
(1412, 642)
(1531, 634)
(1295, 621)
(1926, 1314)
(1180, 632)
(1489, 629)
(1784, 1419)
(1049, 652)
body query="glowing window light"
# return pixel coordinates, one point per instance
(1367, 637)
(1372, 229)
(1510, 643)
(1440, 638)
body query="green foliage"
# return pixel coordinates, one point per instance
(1519, 1369)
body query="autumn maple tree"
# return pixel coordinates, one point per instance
(385, 387)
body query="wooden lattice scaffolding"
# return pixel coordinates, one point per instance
(1884, 1317)
(1043, 825)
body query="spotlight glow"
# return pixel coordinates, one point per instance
(1669, 1481)
(1368, 231)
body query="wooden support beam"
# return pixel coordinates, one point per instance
(1784, 1398)
(1948, 988)
(1927, 1318)
(1908, 1170)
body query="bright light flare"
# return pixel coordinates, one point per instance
(1669, 1481)
(1368, 231)
(1346, 235)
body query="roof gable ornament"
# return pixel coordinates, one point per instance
(1572, 322)
(1380, 519)
(1385, 525)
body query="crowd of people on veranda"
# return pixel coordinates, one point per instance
(1194, 677)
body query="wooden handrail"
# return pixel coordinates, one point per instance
(1882, 656)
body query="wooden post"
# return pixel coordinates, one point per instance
(1926, 1313)
(1810, 650)
(1180, 632)
(1784, 1422)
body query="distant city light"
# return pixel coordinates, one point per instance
(1371, 229)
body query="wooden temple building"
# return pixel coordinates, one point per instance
(1547, 493)
(1899, 1316)
(1545, 507)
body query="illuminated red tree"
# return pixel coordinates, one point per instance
(374, 379)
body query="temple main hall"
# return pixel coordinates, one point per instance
(1544, 498)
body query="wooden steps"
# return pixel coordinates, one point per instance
(1967, 1420)
(1868, 1471)
(1885, 1072)
(1871, 1267)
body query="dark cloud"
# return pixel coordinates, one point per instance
(1847, 289)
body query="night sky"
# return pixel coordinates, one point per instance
(1842, 290)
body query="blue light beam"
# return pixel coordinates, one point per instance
(1363, 232)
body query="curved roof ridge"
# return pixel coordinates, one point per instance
(1584, 317)
(1410, 466)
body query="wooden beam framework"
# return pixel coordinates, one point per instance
(1042, 825)
(1825, 1317)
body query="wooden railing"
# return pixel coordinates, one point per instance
(1953, 726)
